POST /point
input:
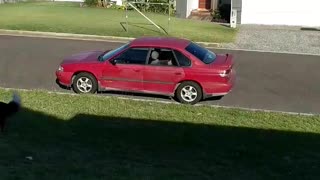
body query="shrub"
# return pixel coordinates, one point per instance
(91, 2)
(156, 8)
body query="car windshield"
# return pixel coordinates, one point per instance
(111, 53)
(201, 53)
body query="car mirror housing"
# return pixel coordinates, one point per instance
(113, 61)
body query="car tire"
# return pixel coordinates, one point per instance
(84, 83)
(189, 92)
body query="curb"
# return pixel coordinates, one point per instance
(85, 37)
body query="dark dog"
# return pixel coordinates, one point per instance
(9, 109)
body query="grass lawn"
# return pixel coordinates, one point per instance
(70, 18)
(91, 137)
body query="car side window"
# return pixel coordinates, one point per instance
(182, 59)
(133, 56)
(162, 57)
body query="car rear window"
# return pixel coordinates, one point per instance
(201, 53)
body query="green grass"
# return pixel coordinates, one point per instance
(70, 18)
(91, 137)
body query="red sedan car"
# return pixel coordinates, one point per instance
(158, 65)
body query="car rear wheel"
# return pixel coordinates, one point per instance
(189, 93)
(84, 83)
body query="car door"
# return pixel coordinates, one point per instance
(126, 73)
(162, 77)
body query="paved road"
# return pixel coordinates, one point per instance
(280, 82)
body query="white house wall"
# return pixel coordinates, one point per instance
(118, 2)
(281, 12)
(193, 4)
(184, 7)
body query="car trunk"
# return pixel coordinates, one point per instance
(224, 62)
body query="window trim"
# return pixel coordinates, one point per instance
(196, 44)
(174, 56)
(185, 56)
(129, 48)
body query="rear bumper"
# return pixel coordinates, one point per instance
(222, 89)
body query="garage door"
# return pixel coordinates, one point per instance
(281, 12)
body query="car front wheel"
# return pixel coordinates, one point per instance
(189, 93)
(84, 83)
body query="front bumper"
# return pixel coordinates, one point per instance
(64, 78)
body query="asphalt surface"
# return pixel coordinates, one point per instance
(282, 82)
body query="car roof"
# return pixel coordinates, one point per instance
(160, 42)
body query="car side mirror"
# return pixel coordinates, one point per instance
(113, 62)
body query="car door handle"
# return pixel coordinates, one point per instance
(177, 73)
(136, 70)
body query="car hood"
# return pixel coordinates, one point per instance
(84, 57)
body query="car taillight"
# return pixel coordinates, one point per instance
(225, 73)
(60, 68)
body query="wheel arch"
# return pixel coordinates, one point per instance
(189, 80)
(83, 71)
(74, 75)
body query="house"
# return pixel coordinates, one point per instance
(265, 12)
(201, 8)
(117, 2)
(281, 12)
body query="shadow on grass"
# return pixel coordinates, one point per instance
(309, 29)
(140, 25)
(96, 147)
(224, 25)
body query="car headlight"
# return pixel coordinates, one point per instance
(60, 68)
